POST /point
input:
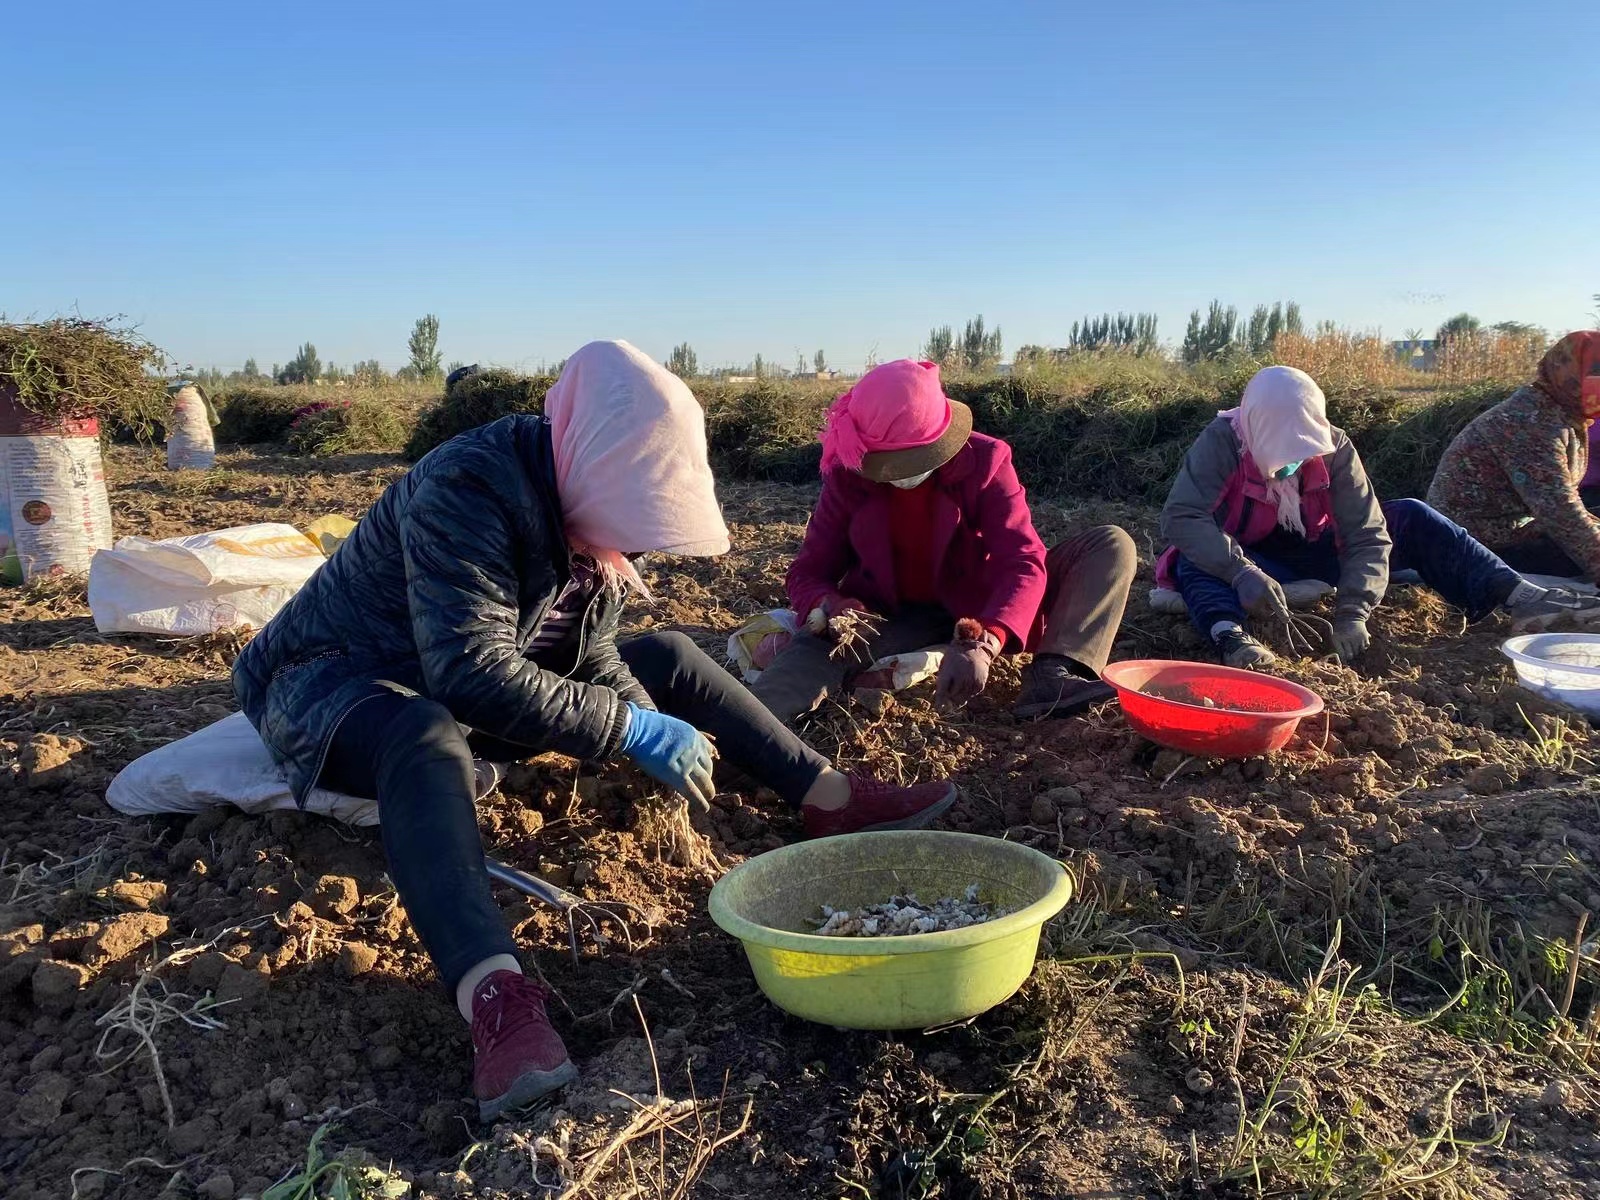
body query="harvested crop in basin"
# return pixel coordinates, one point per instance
(906, 914)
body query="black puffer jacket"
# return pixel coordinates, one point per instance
(438, 592)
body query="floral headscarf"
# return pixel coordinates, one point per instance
(1563, 368)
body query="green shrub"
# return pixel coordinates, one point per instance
(1115, 426)
(257, 413)
(475, 400)
(765, 430)
(1402, 452)
(1120, 430)
(261, 413)
(362, 424)
(1110, 426)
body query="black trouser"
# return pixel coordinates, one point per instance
(1540, 555)
(1537, 553)
(409, 754)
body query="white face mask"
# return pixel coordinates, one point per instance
(914, 481)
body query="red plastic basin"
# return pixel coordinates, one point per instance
(1253, 714)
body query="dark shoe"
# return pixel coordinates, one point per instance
(517, 1056)
(1051, 688)
(1239, 649)
(1556, 607)
(874, 804)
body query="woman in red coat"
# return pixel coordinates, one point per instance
(923, 523)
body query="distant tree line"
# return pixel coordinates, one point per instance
(1220, 333)
(684, 362)
(1215, 334)
(977, 348)
(1466, 326)
(1122, 333)
(306, 366)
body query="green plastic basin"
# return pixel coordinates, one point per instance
(907, 982)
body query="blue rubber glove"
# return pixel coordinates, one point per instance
(671, 751)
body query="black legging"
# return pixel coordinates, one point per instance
(409, 754)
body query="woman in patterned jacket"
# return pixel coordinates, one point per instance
(1512, 476)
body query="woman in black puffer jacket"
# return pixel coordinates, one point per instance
(474, 610)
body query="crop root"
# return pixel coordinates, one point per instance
(661, 820)
(142, 1012)
(852, 632)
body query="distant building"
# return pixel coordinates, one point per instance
(1420, 354)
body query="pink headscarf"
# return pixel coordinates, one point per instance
(631, 467)
(897, 406)
(1283, 419)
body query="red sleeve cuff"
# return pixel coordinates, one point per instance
(972, 630)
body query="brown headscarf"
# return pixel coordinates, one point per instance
(1563, 367)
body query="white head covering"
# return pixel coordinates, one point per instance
(631, 465)
(1283, 419)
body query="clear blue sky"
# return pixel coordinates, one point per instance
(757, 177)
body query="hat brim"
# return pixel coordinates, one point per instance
(886, 466)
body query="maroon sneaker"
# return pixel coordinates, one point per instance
(517, 1057)
(874, 804)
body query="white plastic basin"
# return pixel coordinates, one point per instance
(1564, 667)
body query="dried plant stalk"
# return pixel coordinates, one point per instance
(70, 368)
(852, 632)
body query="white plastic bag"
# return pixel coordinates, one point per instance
(897, 672)
(228, 763)
(224, 763)
(202, 583)
(754, 644)
(190, 445)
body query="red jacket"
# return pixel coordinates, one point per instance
(988, 563)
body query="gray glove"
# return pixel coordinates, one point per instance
(963, 674)
(1260, 594)
(1350, 637)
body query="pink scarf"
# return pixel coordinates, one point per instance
(897, 406)
(631, 466)
(1283, 419)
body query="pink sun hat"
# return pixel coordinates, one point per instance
(896, 423)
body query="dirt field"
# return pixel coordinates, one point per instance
(1344, 971)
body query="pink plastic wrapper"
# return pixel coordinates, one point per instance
(768, 648)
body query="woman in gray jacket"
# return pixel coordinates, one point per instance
(1271, 493)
